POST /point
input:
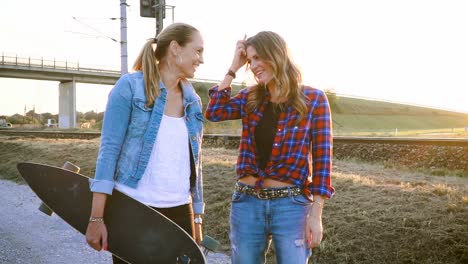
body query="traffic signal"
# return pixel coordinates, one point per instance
(148, 8)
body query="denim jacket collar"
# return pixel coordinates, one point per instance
(187, 90)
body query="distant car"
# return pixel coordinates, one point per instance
(4, 123)
(51, 123)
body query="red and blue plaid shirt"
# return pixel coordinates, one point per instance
(301, 152)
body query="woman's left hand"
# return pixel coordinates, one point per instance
(198, 234)
(314, 230)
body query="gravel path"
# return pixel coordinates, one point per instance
(29, 236)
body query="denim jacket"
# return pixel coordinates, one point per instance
(129, 132)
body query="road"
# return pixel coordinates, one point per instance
(29, 236)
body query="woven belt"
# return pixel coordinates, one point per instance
(266, 194)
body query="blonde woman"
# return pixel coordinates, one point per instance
(285, 154)
(152, 131)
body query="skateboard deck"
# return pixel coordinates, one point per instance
(136, 233)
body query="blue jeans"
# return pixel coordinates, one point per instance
(254, 219)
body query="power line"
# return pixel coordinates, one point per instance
(96, 30)
(94, 18)
(91, 35)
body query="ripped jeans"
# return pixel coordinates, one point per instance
(253, 220)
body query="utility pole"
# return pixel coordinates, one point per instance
(123, 37)
(160, 11)
(156, 9)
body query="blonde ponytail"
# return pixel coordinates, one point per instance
(147, 63)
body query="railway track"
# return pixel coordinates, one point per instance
(230, 139)
(49, 134)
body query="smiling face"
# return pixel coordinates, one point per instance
(190, 56)
(262, 71)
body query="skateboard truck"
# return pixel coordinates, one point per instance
(67, 166)
(209, 244)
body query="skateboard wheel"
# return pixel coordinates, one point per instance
(45, 209)
(210, 243)
(183, 260)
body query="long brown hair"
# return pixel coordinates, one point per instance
(273, 50)
(149, 57)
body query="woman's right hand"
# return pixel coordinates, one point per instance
(240, 55)
(96, 235)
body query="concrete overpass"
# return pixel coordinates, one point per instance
(67, 73)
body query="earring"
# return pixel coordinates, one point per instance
(178, 59)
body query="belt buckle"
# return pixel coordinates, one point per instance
(262, 196)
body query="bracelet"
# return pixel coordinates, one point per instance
(231, 73)
(96, 219)
(198, 220)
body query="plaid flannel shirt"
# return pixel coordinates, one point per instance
(301, 153)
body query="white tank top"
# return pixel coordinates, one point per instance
(166, 180)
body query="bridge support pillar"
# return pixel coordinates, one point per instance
(67, 105)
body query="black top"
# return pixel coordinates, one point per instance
(265, 134)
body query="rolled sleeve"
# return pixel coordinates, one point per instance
(102, 186)
(222, 106)
(322, 148)
(198, 208)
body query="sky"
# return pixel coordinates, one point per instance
(408, 51)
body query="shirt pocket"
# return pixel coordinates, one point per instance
(294, 130)
(140, 114)
(196, 118)
(294, 134)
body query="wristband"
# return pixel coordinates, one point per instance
(231, 73)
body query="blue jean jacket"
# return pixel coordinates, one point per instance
(129, 131)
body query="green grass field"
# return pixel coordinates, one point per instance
(362, 117)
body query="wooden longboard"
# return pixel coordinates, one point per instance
(137, 233)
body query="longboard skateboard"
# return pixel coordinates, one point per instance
(136, 233)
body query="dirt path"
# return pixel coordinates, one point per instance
(29, 236)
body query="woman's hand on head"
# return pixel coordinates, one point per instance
(240, 55)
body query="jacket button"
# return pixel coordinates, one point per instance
(194, 138)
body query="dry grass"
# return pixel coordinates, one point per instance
(385, 216)
(49, 151)
(378, 215)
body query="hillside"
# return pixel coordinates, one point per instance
(354, 115)
(369, 117)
